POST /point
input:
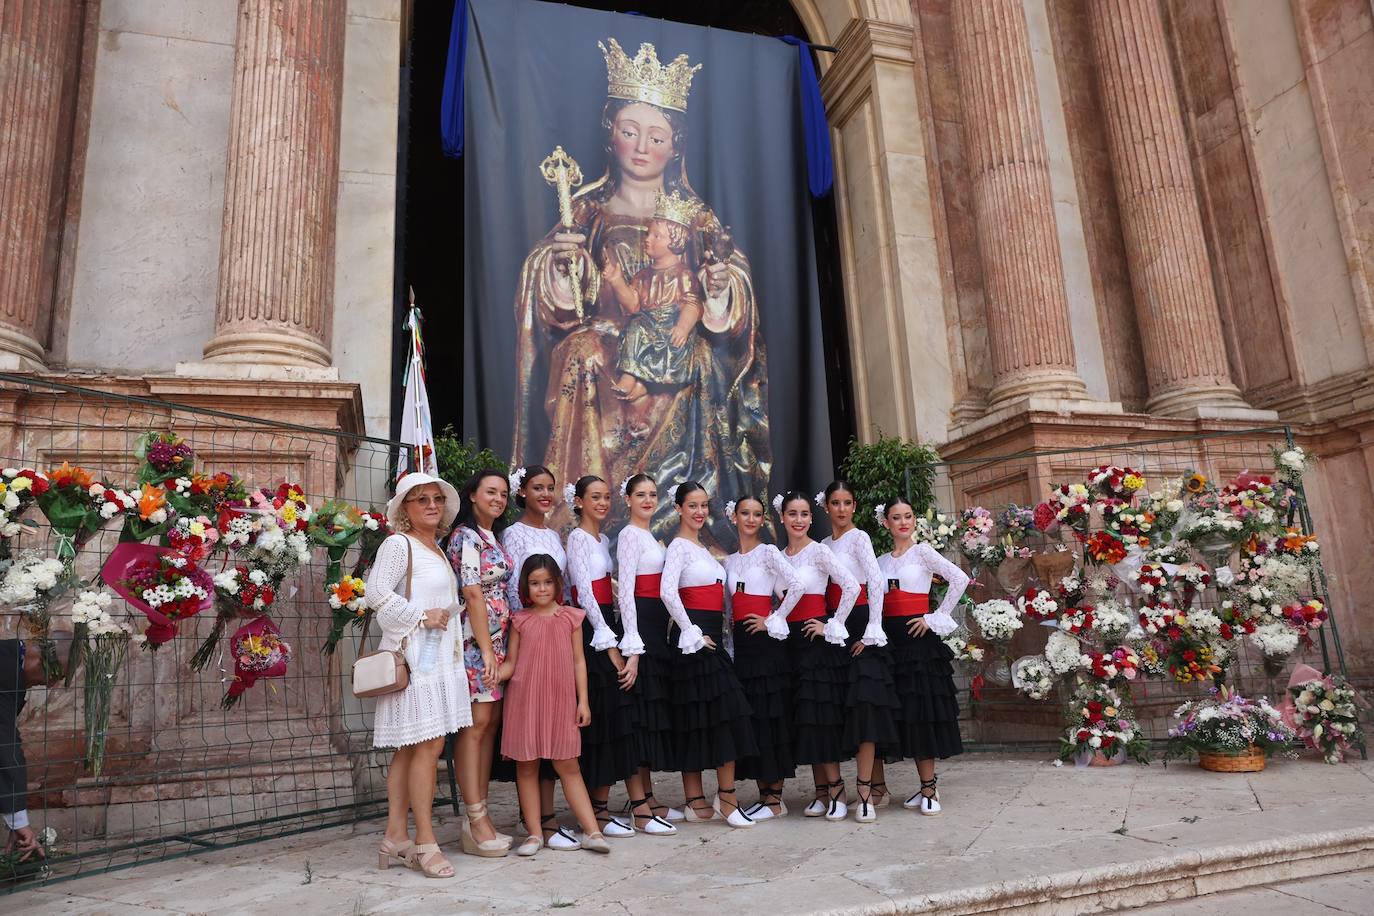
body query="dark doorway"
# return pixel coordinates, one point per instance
(429, 206)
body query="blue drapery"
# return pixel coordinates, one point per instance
(820, 166)
(451, 109)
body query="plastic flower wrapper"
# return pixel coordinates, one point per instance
(71, 504)
(164, 585)
(348, 606)
(336, 526)
(259, 652)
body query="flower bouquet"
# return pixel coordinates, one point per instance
(1115, 482)
(1276, 640)
(1033, 676)
(376, 530)
(1070, 503)
(1291, 464)
(166, 586)
(1305, 617)
(1115, 666)
(1111, 621)
(976, 531)
(1192, 580)
(109, 641)
(1100, 731)
(1105, 548)
(1038, 604)
(1228, 732)
(1078, 620)
(150, 516)
(348, 603)
(1016, 522)
(998, 621)
(19, 489)
(1153, 581)
(336, 527)
(30, 585)
(165, 456)
(259, 652)
(72, 504)
(1065, 654)
(1323, 714)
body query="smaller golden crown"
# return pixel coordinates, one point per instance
(676, 208)
(644, 79)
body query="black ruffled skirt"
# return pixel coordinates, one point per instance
(653, 690)
(610, 744)
(765, 673)
(820, 681)
(923, 670)
(712, 721)
(872, 710)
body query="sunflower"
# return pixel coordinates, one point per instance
(1195, 482)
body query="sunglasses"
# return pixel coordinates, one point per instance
(428, 500)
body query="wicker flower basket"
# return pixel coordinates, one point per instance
(1250, 760)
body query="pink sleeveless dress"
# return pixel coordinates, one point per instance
(540, 716)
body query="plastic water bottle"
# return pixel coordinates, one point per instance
(429, 649)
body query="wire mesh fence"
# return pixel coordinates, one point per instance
(182, 774)
(998, 715)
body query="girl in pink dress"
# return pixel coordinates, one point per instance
(546, 700)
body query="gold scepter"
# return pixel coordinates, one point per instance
(562, 172)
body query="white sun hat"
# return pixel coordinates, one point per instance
(418, 479)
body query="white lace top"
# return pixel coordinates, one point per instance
(912, 571)
(435, 702)
(588, 561)
(816, 567)
(524, 541)
(854, 548)
(637, 553)
(764, 572)
(685, 565)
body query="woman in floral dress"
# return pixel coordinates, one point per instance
(484, 571)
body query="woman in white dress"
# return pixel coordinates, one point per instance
(414, 598)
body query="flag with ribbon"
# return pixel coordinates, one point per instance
(417, 427)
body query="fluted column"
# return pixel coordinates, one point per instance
(276, 271)
(35, 44)
(1171, 278)
(1029, 336)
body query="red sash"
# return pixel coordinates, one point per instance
(897, 603)
(601, 591)
(647, 586)
(743, 604)
(832, 596)
(808, 607)
(703, 597)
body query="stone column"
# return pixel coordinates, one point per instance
(35, 47)
(1171, 278)
(1028, 312)
(276, 268)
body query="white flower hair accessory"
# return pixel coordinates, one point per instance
(777, 503)
(516, 478)
(880, 513)
(820, 498)
(730, 507)
(625, 488)
(569, 493)
(672, 491)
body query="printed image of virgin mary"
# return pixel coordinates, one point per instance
(706, 419)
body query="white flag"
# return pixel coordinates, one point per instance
(417, 429)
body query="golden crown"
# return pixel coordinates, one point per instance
(644, 79)
(676, 208)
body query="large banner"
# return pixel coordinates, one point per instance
(640, 288)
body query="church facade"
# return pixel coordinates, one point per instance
(1061, 222)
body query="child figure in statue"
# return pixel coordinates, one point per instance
(664, 302)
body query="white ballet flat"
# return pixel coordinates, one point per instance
(616, 829)
(562, 839)
(837, 810)
(531, 845)
(865, 812)
(817, 808)
(653, 824)
(926, 804)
